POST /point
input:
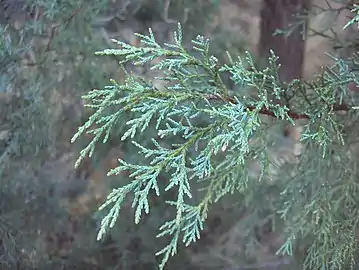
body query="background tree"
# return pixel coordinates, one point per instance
(289, 46)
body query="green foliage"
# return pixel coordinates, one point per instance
(33, 59)
(196, 137)
(204, 137)
(47, 62)
(354, 20)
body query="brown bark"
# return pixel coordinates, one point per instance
(279, 14)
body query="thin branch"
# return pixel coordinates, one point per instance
(53, 33)
(266, 111)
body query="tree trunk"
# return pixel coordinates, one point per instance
(279, 14)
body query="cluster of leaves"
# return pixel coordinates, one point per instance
(47, 62)
(317, 203)
(355, 19)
